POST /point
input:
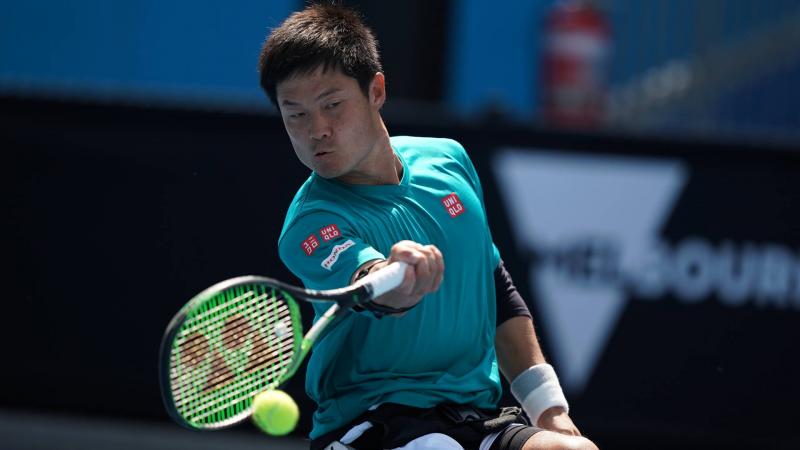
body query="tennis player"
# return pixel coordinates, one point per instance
(423, 372)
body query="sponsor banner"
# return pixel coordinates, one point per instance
(588, 219)
(615, 245)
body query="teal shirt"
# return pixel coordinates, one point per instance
(440, 351)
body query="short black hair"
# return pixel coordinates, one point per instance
(326, 35)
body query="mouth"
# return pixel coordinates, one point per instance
(320, 154)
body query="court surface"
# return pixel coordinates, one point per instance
(35, 431)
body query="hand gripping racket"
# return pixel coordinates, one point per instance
(243, 336)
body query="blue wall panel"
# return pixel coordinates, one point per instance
(199, 47)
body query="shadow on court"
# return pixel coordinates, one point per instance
(31, 431)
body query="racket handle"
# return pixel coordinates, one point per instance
(386, 279)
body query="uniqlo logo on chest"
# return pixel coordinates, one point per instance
(453, 205)
(310, 245)
(330, 232)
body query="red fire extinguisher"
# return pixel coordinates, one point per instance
(575, 61)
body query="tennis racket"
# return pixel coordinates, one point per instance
(243, 336)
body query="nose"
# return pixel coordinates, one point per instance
(320, 127)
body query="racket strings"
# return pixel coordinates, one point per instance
(259, 354)
(245, 305)
(231, 298)
(220, 354)
(232, 339)
(195, 346)
(252, 387)
(222, 376)
(232, 387)
(221, 312)
(202, 403)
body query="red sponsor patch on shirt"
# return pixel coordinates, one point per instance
(453, 205)
(330, 232)
(310, 245)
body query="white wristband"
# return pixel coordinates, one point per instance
(537, 389)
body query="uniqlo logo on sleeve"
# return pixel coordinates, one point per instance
(310, 245)
(330, 232)
(453, 205)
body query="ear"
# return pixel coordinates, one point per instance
(377, 90)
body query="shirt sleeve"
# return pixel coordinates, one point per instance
(509, 303)
(323, 250)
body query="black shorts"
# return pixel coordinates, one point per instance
(395, 425)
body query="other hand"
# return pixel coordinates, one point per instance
(556, 419)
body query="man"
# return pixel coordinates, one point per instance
(427, 375)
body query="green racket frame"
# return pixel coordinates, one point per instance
(224, 344)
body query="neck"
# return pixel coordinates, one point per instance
(380, 166)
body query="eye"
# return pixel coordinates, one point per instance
(296, 115)
(332, 105)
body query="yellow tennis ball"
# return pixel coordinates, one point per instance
(275, 412)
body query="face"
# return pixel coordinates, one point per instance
(335, 129)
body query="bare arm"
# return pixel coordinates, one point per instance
(517, 347)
